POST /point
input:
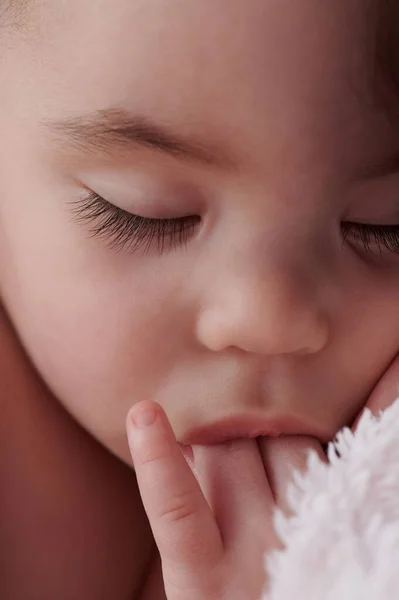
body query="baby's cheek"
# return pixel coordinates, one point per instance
(99, 366)
(387, 389)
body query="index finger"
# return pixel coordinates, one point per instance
(181, 520)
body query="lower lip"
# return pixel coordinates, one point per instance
(209, 438)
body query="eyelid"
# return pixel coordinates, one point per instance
(375, 198)
(148, 190)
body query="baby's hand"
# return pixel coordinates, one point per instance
(212, 522)
(385, 392)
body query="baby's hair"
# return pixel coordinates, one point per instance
(13, 13)
(10, 11)
(387, 46)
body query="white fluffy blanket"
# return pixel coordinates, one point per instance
(343, 542)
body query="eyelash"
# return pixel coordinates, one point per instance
(125, 231)
(383, 236)
(128, 232)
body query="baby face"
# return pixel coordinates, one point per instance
(176, 183)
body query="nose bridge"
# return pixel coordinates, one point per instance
(270, 306)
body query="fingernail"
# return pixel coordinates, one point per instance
(187, 451)
(144, 416)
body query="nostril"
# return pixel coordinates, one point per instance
(263, 328)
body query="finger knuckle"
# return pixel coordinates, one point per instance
(181, 507)
(203, 586)
(154, 455)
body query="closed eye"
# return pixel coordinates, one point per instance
(372, 237)
(128, 232)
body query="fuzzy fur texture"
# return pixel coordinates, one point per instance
(343, 542)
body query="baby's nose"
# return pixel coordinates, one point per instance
(272, 313)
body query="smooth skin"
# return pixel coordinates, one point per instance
(212, 524)
(212, 529)
(264, 310)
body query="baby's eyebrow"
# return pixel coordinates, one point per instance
(112, 129)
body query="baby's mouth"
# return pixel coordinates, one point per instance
(250, 426)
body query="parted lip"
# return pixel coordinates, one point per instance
(250, 426)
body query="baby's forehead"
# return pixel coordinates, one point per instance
(379, 13)
(381, 16)
(170, 54)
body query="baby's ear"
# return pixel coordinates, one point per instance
(385, 393)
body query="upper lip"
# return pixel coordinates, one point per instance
(251, 426)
